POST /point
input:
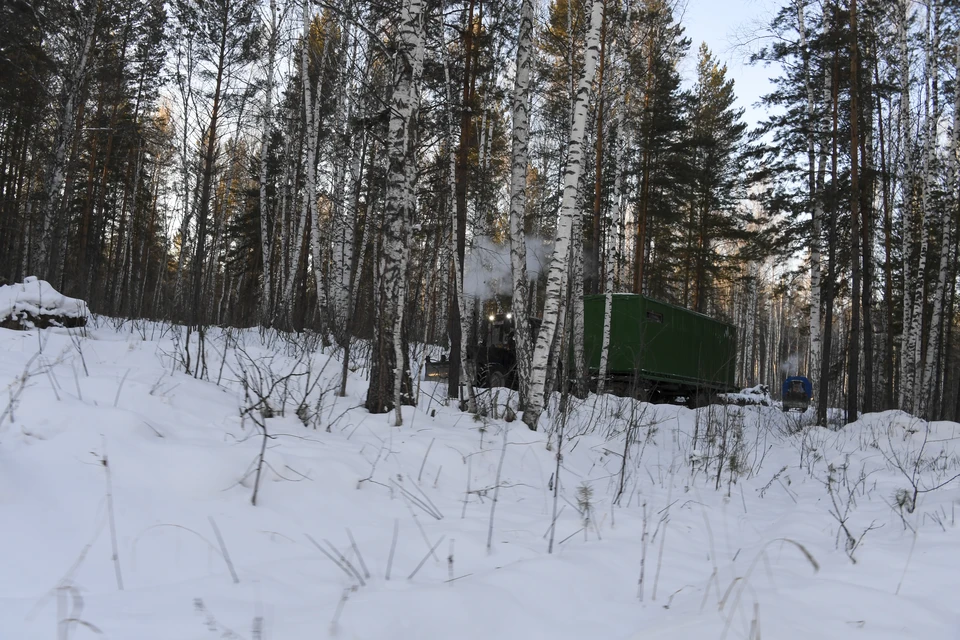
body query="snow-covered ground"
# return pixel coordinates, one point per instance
(104, 438)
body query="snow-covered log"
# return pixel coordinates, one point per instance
(34, 303)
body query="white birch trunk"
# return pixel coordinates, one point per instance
(344, 188)
(576, 306)
(559, 267)
(928, 403)
(285, 205)
(311, 200)
(906, 352)
(466, 375)
(753, 313)
(56, 172)
(185, 87)
(400, 196)
(266, 231)
(918, 395)
(816, 201)
(611, 264)
(518, 200)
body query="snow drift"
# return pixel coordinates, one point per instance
(126, 485)
(35, 303)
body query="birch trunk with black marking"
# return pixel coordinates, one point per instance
(266, 228)
(311, 202)
(613, 257)
(348, 159)
(930, 406)
(918, 396)
(56, 170)
(557, 277)
(389, 374)
(815, 198)
(518, 200)
(853, 348)
(461, 318)
(907, 370)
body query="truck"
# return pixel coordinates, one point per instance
(796, 394)
(658, 351)
(491, 350)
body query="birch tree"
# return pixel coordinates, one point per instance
(389, 374)
(815, 195)
(311, 111)
(266, 118)
(907, 338)
(518, 199)
(853, 347)
(347, 167)
(612, 257)
(558, 274)
(460, 318)
(74, 77)
(917, 396)
(928, 406)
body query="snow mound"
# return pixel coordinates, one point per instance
(35, 303)
(126, 487)
(758, 395)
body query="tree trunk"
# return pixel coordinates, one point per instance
(56, 171)
(823, 394)
(920, 395)
(458, 318)
(266, 228)
(389, 374)
(612, 257)
(888, 399)
(318, 232)
(853, 367)
(559, 267)
(209, 166)
(815, 189)
(518, 200)
(930, 408)
(461, 174)
(593, 281)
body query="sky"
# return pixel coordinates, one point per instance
(730, 29)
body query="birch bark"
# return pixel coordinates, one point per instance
(56, 171)
(348, 161)
(266, 229)
(814, 197)
(917, 398)
(466, 375)
(907, 373)
(311, 202)
(559, 266)
(613, 258)
(928, 407)
(389, 374)
(518, 200)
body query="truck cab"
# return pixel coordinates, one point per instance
(797, 393)
(491, 351)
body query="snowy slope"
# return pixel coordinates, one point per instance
(735, 561)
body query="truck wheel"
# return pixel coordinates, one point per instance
(496, 378)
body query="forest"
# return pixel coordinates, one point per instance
(384, 173)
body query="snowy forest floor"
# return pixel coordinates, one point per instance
(803, 532)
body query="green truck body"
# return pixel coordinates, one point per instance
(660, 347)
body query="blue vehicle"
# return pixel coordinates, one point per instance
(797, 393)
